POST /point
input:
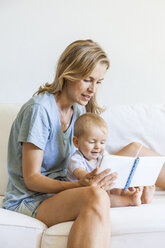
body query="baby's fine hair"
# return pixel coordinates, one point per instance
(85, 121)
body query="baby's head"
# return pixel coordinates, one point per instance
(90, 135)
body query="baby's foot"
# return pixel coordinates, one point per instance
(136, 197)
(148, 193)
(116, 191)
(128, 191)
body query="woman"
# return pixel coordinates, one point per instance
(40, 145)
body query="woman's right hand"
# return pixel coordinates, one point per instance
(103, 180)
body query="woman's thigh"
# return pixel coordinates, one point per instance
(66, 205)
(136, 149)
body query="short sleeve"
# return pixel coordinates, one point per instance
(75, 163)
(34, 126)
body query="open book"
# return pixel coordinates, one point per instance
(132, 171)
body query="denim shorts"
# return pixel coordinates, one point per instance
(29, 206)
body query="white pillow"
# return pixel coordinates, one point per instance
(142, 123)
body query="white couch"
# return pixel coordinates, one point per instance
(135, 227)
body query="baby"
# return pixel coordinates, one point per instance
(90, 135)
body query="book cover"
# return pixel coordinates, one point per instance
(132, 171)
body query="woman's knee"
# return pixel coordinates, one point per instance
(97, 197)
(134, 148)
(134, 145)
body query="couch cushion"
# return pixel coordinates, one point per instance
(1, 200)
(142, 123)
(14, 225)
(8, 113)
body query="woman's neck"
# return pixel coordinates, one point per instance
(62, 102)
(65, 111)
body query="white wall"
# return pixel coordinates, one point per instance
(132, 32)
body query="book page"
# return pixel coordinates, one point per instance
(147, 171)
(145, 174)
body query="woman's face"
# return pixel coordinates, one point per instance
(82, 91)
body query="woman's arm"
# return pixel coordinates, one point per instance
(32, 158)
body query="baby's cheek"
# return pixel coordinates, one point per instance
(103, 148)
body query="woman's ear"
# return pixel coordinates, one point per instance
(75, 141)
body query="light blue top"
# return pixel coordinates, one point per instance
(38, 122)
(79, 161)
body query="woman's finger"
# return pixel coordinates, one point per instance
(111, 177)
(98, 177)
(108, 186)
(108, 180)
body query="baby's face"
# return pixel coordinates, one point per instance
(92, 143)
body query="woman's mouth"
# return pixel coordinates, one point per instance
(86, 97)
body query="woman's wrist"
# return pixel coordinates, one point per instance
(76, 184)
(69, 185)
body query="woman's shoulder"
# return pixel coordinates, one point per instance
(39, 107)
(43, 99)
(43, 102)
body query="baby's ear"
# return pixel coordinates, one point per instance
(75, 141)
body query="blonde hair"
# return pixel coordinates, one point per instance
(88, 120)
(76, 63)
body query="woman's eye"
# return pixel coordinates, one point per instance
(87, 80)
(99, 82)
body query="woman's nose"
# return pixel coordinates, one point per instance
(92, 88)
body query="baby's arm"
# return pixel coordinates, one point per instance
(79, 173)
(76, 168)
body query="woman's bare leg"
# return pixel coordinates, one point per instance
(161, 178)
(89, 207)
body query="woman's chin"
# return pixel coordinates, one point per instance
(83, 102)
